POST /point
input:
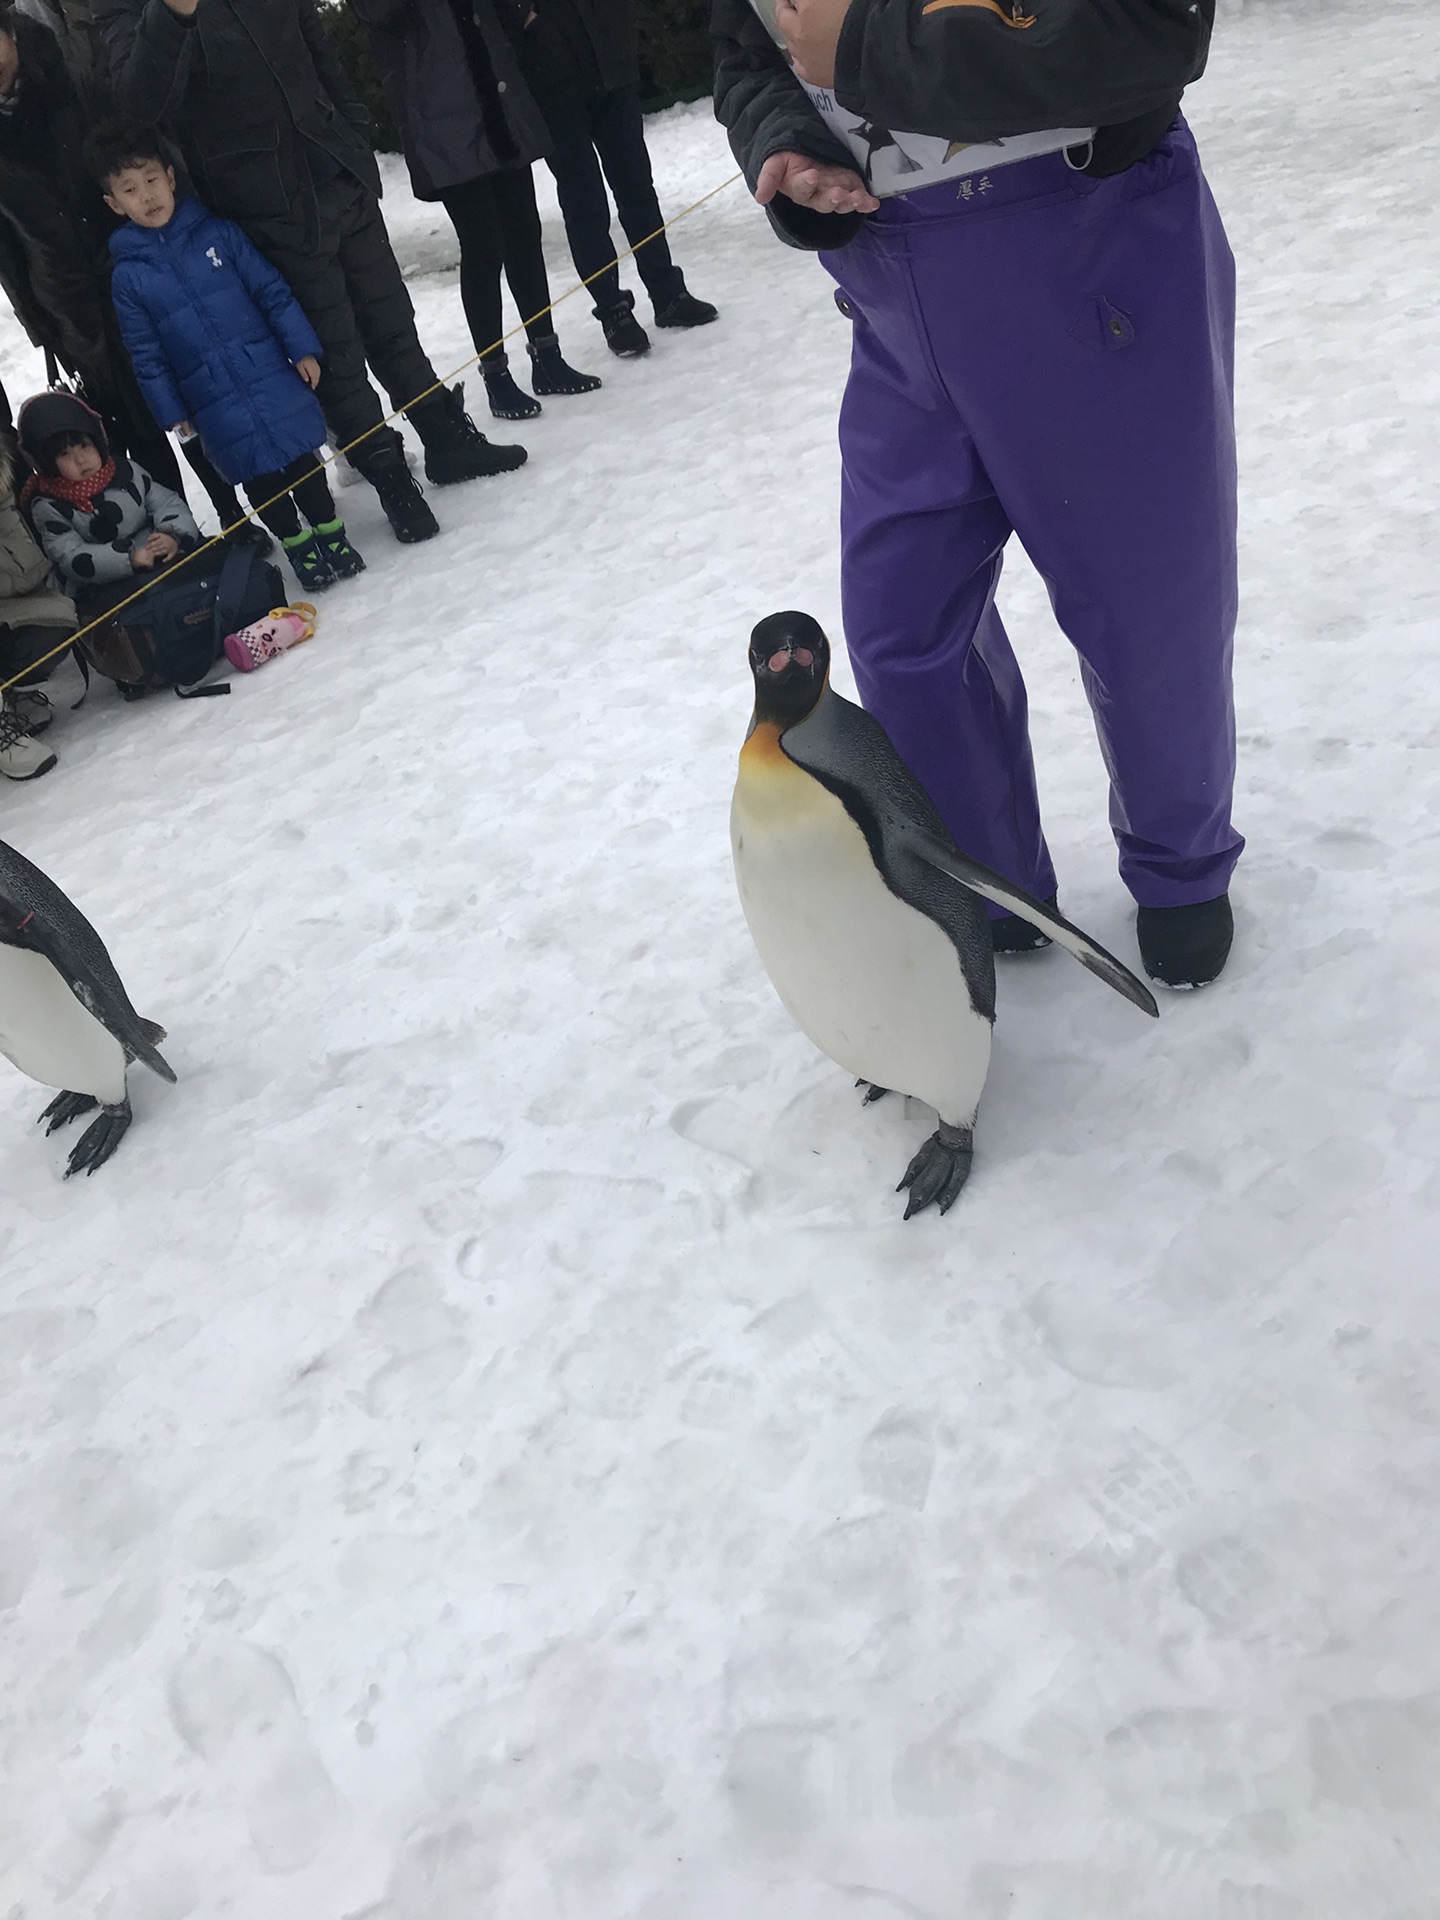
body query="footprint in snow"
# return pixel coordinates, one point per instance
(233, 1704)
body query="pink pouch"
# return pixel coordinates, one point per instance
(280, 629)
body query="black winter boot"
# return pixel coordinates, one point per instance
(406, 507)
(1011, 934)
(1186, 946)
(251, 534)
(548, 372)
(684, 310)
(308, 561)
(455, 448)
(624, 334)
(507, 401)
(343, 560)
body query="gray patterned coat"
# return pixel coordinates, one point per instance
(92, 550)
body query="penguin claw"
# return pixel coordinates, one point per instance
(64, 1108)
(872, 1092)
(939, 1170)
(99, 1140)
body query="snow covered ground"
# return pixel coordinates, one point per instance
(489, 1449)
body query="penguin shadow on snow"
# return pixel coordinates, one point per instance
(869, 920)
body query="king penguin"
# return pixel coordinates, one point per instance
(867, 916)
(65, 1018)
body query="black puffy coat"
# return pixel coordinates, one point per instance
(53, 225)
(246, 87)
(456, 94)
(609, 27)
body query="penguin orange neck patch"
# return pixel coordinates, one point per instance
(1011, 16)
(762, 748)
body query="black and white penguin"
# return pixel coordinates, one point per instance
(65, 1018)
(848, 875)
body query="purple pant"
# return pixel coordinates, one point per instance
(1051, 356)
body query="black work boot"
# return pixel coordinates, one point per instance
(455, 448)
(1186, 946)
(1012, 934)
(624, 334)
(550, 375)
(406, 507)
(507, 401)
(684, 310)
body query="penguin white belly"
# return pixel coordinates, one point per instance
(50, 1036)
(873, 982)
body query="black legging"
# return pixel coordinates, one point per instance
(221, 494)
(498, 223)
(595, 138)
(297, 484)
(21, 648)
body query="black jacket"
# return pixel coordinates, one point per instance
(53, 224)
(547, 47)
(248, 88)
(963, 70)
(455, 90)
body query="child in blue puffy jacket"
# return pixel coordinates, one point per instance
(221, 348)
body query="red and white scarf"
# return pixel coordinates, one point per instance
(80, 493)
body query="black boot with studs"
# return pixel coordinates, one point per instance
(549, 373)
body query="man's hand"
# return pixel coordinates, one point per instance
(184, 8)
(811, 29)
(308, 368)
(814, 184)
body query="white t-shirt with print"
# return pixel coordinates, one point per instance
(890, 161)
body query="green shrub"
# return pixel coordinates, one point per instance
(674, 39)
(675, 58)
(349, 37)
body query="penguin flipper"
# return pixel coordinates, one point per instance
(155, 1033)
(1004, 893)
(55, 927)
(848, 750)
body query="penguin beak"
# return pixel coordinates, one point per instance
(780, 660)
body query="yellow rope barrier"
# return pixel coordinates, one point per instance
(329, 459)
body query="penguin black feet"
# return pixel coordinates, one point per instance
(66, 1107)
(872, 1092)
(100, 1139)
(939, 1170)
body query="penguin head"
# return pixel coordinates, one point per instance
(790, 659)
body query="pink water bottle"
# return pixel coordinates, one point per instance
(280, 629)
